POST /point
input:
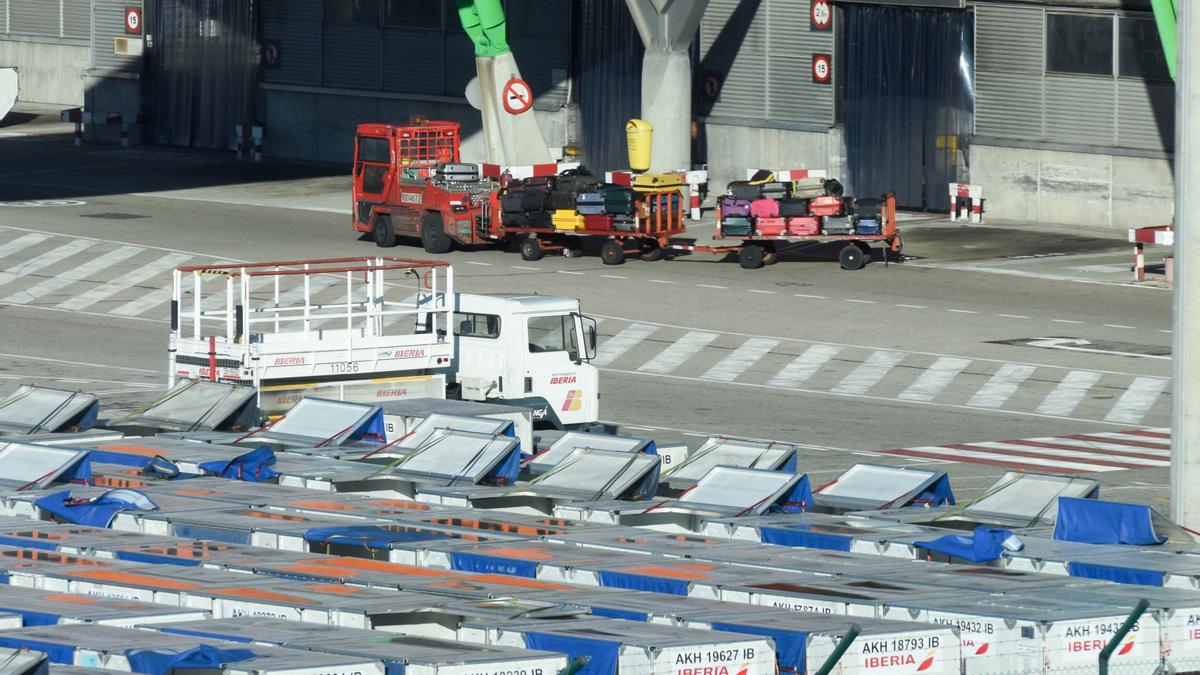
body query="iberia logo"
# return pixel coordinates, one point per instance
(744, 670)
(927, 663)
(573, 402)
(1126, 648)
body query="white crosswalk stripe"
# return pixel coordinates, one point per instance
(153, 270)
(21, 243)
(867, 375)
(741, 359)
(804, 366)
(1001, 386)
(44, 260)
(1069, 392)
(933, 381)
(616, 346)
(145, 303)
(71, 276)
(1137, 400)
(676, 353)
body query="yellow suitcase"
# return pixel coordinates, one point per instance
(566, 219)
(657, 182)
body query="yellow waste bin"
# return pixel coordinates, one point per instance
(638, 135)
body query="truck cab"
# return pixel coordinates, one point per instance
(529, 350)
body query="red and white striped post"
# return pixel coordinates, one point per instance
(959, 194)
(256, 134)
(1162, 235)
(75, 116)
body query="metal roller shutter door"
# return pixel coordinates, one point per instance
(297, 26)
(734, 42)
(77, 18)
(1142, 108)
(108, 22)
(791, 94)
(35, 17)
(1081, 110)
(352, 56)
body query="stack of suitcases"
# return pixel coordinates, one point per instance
(765, 207)
(572, 200)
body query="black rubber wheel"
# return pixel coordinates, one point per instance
(865, 248)
(750, 256)
(650, 251)
(383, 232)
(851, 257)
(433, 234)
(531, 249)
(612, 252)
(770, 255)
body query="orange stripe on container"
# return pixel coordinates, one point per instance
(141, 579)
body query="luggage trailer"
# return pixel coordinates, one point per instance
(755, 250)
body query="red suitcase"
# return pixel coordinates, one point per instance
(764, 208)
(598, 222)
(804, 226)
(825, 206)
(771, 227)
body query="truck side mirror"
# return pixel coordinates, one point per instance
(589, 336)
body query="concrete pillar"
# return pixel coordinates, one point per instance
(667, 28)
(1185, 426)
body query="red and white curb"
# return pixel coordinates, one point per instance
(1077, 453)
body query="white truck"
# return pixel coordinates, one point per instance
(376, 329)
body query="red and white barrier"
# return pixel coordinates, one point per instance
(79, 117)
(1161, 235)
(695, 180)
(249, 138)
(964, 196)
(790, 175)
(526, 171)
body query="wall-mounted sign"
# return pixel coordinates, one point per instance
(821, 15)
(822, 68)
(133, 20)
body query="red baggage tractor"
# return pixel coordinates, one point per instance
(804, 226)
(602, 221)
(771, 227)
(826, 206)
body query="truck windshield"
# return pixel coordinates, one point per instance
(553, 334)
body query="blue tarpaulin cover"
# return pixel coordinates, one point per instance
(789, 644)
(614, 613)
(985, 545)
(797, 499)
(1092, 521)
(115, 457)
(803, 538)
(639, 582)
(646, 487)
(937, 494)
(98, 512)
(252, 467)
(80, 472)
(31, 618)
(602, 655)
(488, 564)
(57, 653)
(370, 536)
(134, 556)
(507, 470)
(205, 656)
(1121, 575)
(373, 430)
(167, 628)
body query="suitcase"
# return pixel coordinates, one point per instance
(808, 187)
(598, 222)
(764, 208)
(804, 226)
(577, 180)
(740, 189)
(771, 227)
(657, 182)
(868, 226)
(540, 219)
(868, 208)
(761, 176)
(561, 199)
(515, 220)
(833, 188)
(590, 203)
(542, 183)
(566, 219)
(825, 206)
(618, 199)
(837, 225)
(659, 202)
(736, 227)
(790, 208)
(533, 200)
(512, 202)
(732, 206)
(776, 190)
(459, 173)
(624, 225)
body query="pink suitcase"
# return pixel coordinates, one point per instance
(764, 208)
(825, 206)
(804, 226)
(771, 227)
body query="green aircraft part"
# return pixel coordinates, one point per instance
(1165, 17)
(483, 20)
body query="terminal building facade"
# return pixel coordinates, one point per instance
(1061, 110)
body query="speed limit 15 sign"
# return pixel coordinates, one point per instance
(822, 68)
(133, 20)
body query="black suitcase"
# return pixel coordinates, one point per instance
(515, 220)
(777, 190)
(740, 189)
(512, 202)
(833, 188)
(618, 199)
(868, 207)
(534, 200)
(577, 180)
(541, 183)
(791, 208)
(561, 199)
(540, 219)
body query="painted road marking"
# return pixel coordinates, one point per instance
(741, 359)
(21, 243)
(43, 261)
(614, 347)
(869, 373)
(145, 303)
(1137, 400)
(80, 273)
(1002, 385)
(1069, 393)
(679, 351)
(935, 379)
(805, 366)
(127, 280)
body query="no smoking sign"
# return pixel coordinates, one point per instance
(822, 68)
(821, 15)
(133, 20)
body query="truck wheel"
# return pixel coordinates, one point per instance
(650, 251)
(433, 234)
(866, 249)
(750, 256)
(531, 249)
(612, 252)
(770, 255)
(851, 257)
(382, 231)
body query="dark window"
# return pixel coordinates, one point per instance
(414, 14)
(477, 325)
(375, 178)
(1079, 44)
(552, 334)
(353, 11)
(1139, 50)
(373, 150)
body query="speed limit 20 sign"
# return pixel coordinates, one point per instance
(822, 68)
(133, 20)
(821, 15)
